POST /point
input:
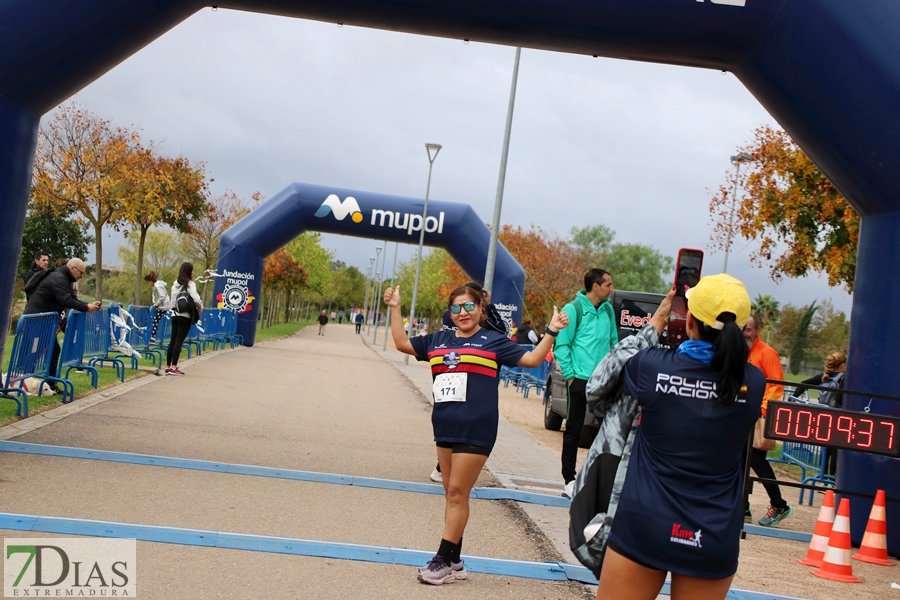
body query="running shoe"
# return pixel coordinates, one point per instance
(176, 371)
(437, 477)
(169, 371)
(569, 490)
(152, 340)
(459, 569)
(748, 516)
(776, 516)
(437, 572)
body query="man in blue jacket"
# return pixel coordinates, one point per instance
(579, 349)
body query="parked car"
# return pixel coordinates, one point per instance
(633, 310)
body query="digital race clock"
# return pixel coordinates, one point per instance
(832, 427)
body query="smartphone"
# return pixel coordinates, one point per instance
(687, 273)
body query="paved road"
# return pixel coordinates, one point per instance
(326, 404)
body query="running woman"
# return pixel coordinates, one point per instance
(681, 509)
(464, 366)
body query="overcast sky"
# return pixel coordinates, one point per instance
(266, 101)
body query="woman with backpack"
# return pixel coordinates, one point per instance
(187, 306)
(833, 377)
(159, 299)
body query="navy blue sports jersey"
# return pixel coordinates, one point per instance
(681, 508)
(473, 421)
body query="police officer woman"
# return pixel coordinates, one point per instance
(681, 507)
(464, 365)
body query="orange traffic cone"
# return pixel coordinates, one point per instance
(821, 533)
(836, 562)
(873, 548)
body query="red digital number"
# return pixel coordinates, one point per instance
(868, 433)
(848, 429)
(779, 422)
(809, 419)
(820, 427)
(890, 443)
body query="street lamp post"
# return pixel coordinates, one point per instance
(378, 295)
(368, 275)
(387, 321)
(373, 304)
(736, 161)
(412, 307)
(501, 180)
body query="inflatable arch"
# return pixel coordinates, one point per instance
(827, 70)
(301, 207)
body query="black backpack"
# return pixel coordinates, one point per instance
(35, 282)
(185, 304)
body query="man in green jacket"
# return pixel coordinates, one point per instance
(579, 349)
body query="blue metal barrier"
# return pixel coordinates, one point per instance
(96, 342)
(72, 354)
(30, 357)
(536, 378)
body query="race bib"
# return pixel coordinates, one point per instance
(450, 387)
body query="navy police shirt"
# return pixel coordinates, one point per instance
(681, 508)
(473, 421)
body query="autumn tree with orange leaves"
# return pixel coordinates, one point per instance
(282, 278)
(787, 204)
(163, 191)
(84, 164)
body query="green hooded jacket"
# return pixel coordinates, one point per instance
(596, 335)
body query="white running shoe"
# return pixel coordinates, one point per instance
(437, 477)
(569, 490)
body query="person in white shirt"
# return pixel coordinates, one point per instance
(159, 299)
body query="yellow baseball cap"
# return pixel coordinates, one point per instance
(717, 294)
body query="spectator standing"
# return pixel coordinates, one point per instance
(766, 359)
(323, 321)
(56, 294)
(525, 335)
(359, 321)
(182, 321)
(39, 265)
(159, 298)
(579, 349)
(333, 316)
(835, 365)
(680, 505)
(340, 317)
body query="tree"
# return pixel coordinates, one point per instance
(347, 287)
(431, 299)
(161, 253)
(202, 237)
(307, 250)
(783, 331)
(59, 235)
(801, 221)
(633, 267)
(798, 345)
(829, 332)
(82, 165)
(767, 309)
(282, 276)
(163, 191)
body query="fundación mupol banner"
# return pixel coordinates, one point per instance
(69, 568)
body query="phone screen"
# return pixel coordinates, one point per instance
(688, 271)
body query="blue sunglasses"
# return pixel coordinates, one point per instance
(469, 306)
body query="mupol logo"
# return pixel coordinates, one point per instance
(340, 209)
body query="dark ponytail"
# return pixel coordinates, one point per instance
(729, 355)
